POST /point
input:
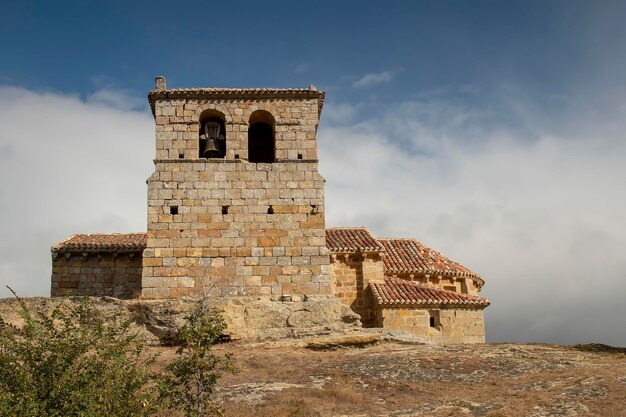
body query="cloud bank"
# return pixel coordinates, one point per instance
(540, 216)
(68, 165)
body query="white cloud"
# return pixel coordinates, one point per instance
(340, 113)
(303, 66)
(67, 166)
(542, 218)
(369, 80)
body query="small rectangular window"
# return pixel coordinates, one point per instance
(181, 155)
(173, 210)
(432, 322)
(225, 209)
(299, 156)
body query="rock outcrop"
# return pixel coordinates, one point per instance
(248, 318)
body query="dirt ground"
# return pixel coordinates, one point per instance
(402, 380)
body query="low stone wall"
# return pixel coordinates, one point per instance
(450, 325)
(110, 274)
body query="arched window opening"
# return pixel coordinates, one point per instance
(212, 142)
(261, 144)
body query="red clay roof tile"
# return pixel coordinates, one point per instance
(101, 242)
(399, 292)
(222, 92)
(410, 256)
(351, 239)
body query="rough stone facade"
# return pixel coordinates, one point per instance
(227, 224)
(438, 325)
(110, 274)
(350, 276)
(236, 211)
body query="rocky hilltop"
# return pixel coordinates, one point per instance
(419, 380)
(310, 357)
(248, 318)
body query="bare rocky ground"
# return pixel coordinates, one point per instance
(323, 364)
(387, 378)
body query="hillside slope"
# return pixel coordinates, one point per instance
(402, 380)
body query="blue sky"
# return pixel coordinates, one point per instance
(544, 48)
(492, 131)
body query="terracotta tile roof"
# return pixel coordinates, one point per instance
(410, 256)
(219, 92)
(351, 239)
(101, 242)
(399, 292)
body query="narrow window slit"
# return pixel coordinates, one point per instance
(270, 210)
(225, 209)
(432, 322)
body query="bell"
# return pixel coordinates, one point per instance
(212, 149)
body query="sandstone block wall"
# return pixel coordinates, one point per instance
(178, 125)
(462, 285)
(235, 227)
(115, 275)
(451, 325)
(350, 276)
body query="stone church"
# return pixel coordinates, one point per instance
(236, 209)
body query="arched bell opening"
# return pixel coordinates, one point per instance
(261, 141)
(212, 135)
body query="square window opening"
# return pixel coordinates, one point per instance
(173, 210)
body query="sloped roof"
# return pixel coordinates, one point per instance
(220, 92)
(351, 239)
(102, 242)
(399, 292)
(410, 256)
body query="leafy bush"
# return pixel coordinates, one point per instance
(72, 363)
(188, 382)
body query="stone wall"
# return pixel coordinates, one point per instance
(295, 125)
(451, 325)
(116, 275)
(462, 285)
(235, 227)
(350, 276)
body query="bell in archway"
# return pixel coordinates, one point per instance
(211, 138)
(212, 149)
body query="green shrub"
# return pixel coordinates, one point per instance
(72, 363)
(188, 382)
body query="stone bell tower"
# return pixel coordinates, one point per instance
(236, 203)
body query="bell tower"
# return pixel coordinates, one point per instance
(236, 202)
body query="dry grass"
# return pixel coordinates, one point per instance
(480, 381)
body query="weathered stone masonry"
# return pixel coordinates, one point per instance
(98, 265)
(230, 225)
(236, 212)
